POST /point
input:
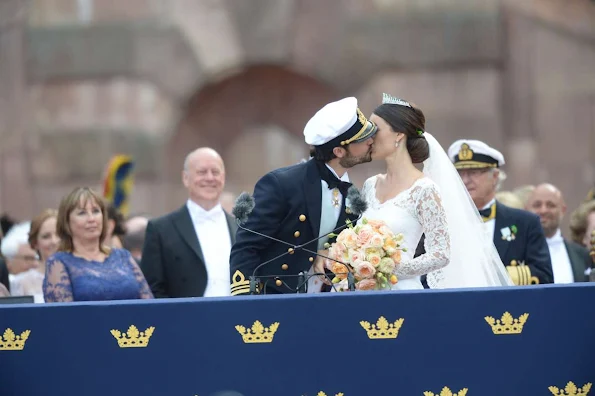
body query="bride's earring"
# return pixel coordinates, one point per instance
(396, 143)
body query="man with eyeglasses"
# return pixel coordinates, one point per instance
(517, 234)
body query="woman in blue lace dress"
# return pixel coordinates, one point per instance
(84, 269)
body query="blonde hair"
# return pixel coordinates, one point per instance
(36, 224)
(68, 204)
(509, 199)
(578, 221)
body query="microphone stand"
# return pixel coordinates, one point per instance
(254, 281)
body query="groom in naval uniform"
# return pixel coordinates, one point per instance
(300, 203)
(517, 234)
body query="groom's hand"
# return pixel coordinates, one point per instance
(320, 268)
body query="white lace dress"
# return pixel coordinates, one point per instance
(413, 212)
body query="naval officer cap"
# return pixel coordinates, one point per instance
(474, 154)
(338, 124)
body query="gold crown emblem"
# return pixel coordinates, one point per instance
(321, 393)
(133, 338)
(447, 392)
(239, 284)
(13, 342)
(258, 333)
(465, 153)
(382, 329)
(507, 324)
(571, 390)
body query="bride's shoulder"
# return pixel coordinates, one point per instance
(426, 185)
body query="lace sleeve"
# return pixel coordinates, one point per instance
(56, 283)
(145, 291)
(432, 218)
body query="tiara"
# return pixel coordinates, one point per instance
(389, 99)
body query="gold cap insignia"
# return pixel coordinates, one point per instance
(133, 338)
(239, 284)
(258, 334)
(507, 324)
(571, 390)
(382, 329)
(465, 153)
(447, 392)
(321, 393)
(10, 341)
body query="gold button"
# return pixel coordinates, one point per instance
(513, 262)
(311, 259)
(284, 267)
(278, 282)
(291, 251)
(302, 218)
(296, 234)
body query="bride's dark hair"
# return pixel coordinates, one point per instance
(410, 121)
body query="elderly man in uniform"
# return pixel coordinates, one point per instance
(517, 234)
(299, 203)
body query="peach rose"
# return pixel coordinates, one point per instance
(366, 284)
(364, 235)
(396, 256)
(374, 259)
(390, 245)
(376, 224)
(339, 270)
(365, 270)
(348, 237)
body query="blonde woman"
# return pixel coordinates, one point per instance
(44, 240)
(84, 268)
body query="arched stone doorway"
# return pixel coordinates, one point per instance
(255, 119)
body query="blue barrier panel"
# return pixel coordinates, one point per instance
(415, 343)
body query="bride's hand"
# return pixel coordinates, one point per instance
(319, 267)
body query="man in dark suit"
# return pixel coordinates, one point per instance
(570, 261)
(300, 203)
(186, 252)
(517, 234)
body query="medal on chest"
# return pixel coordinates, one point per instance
(335, 199)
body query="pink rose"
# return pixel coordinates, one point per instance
(364, 235)
(376, 241)
(348, 237)
(366, 284)
(365, 270)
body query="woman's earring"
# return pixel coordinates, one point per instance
(397, 143)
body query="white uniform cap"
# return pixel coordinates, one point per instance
(466, 153)
(338, 123)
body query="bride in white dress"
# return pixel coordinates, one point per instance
(435, 202)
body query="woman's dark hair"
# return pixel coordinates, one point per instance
(410, 121)
(119, 221)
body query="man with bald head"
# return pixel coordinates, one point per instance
(569, 260)
(186, 252)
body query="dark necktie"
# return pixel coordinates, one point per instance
(331, 179)
(486, 214)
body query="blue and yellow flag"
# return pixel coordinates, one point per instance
(118, 182)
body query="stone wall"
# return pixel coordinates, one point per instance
(156, 79)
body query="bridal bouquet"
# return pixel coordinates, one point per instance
(371, 251)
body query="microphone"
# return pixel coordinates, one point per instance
(244, 206)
